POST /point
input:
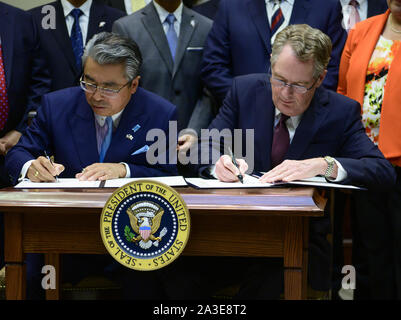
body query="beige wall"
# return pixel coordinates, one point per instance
(26, 4)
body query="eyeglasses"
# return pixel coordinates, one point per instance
(106, 92)
(281, 84)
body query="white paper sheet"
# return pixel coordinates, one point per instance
(61, 184)
(172, 181)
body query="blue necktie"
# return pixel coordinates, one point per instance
(76, 38)
(171, 35)
(106, 139)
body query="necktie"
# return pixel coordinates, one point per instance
(171, 34)
(105, 136)
(353, 15)
(76, 38)
(3, 93)
(137, 4)
(277, 20)
(281, 141)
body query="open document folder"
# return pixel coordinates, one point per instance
(252, 182)
(65, 183)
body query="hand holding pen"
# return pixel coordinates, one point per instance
(230, 169)
(43, 169)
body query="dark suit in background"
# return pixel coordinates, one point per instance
(239, 42)
(56, 44)
(376, 7)
(25, 74)
(207, 9)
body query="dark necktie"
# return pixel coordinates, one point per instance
(76, 38)
(105, 136)
(277, 20)
(281, 141)
(171, 34)
(3, 93)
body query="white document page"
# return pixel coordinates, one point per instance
(61, 183)
(172, 181)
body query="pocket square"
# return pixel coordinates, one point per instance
(194, 48)
(140, 150)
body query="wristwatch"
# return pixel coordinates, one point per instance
(330, 166)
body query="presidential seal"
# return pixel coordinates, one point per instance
(145, 225)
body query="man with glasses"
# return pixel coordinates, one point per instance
(301, 130)
(96, 131)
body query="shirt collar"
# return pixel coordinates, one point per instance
(68, 7)
(163, 13)
(346, 2)
(295, 120)
(116, 119)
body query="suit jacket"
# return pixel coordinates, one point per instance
(331, 126)
(25, 70)
(358, 50)
(376, 7)
(239, 42)
(56, 43)
(65, 128)
(117, 4)
(207, 9)
(178, 81)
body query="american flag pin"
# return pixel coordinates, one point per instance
(129, 136)
(102, 24)
(192, 23)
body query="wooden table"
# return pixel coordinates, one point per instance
(246, 223)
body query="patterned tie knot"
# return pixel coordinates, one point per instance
(76, 13)
(354, 3)
(170, 19)
(283, 118)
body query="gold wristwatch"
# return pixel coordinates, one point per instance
(330, 166)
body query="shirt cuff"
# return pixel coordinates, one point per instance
(128, 175)
(24, 170)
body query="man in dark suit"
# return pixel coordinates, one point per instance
(301, 130)
(174, 73)
(242, 35)
(57, 45)
(207, 9)
(23, 80)
(95, 132)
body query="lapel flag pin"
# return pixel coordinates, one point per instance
(193, 23)
(136, 128)
(102, 24)
(129, 136)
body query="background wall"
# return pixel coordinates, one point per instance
(26, 4)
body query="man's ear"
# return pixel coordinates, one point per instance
(134, 84)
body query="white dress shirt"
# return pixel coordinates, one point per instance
(83, 19)
(286, 8)
(362, 10)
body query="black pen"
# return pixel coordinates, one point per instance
(51, 161)
(240, 177)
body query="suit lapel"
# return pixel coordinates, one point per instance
(151, 22)
(83, 120)
(188, 25)
(97, 20)
(61, 36)
(7, 42)
(310, 123)
(257, 11)
(300, 12)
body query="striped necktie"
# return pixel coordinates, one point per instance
(105, 136)
(277, 19)
(76, 38)
(3, 93)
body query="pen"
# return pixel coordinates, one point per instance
(240, 178)
(51, 161)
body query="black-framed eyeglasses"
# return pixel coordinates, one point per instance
(106, 92)
(296, 87)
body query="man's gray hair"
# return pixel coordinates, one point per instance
(110, 48)
(307, 43)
